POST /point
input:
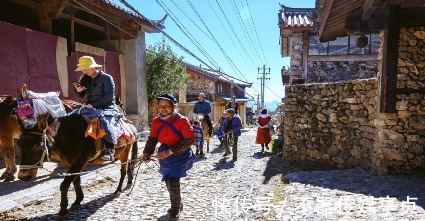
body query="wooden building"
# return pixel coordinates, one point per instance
(42, 40)
(218, 88)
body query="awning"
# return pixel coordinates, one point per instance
(238, 98)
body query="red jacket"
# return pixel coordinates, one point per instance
(167, 136)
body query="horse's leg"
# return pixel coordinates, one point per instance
(208, 145)
(130, 168)
(8, 152)
(64, 187)
(78, 192)
(123, 157)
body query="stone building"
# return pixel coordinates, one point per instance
(313, 61)
(41, 42)
(218, 88)
(374, 119)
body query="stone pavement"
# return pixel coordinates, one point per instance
(256, 187)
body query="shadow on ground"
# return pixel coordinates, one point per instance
(351, 180)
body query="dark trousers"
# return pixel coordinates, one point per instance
(234, 147)
(208, 119)
(173, 187)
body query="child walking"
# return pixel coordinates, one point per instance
(199, 138)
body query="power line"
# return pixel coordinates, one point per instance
(182, 47)
(187, 33)
(234, 32)
(228, 34)
(218, 44)
(242, 24)
(255, 28)
(273, 92)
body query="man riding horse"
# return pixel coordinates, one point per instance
(204, 107)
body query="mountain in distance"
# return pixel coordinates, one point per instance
(271, 106)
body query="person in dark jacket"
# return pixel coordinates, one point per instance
(99, 88)
(203, 106)
(232, 130)
(175, 156)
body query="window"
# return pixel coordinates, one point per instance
(343, 45)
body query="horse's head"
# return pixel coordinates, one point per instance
(200, 117)
(35, 147)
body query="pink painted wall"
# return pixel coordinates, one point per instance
(29, 57)
(42, 69)
(13, 58)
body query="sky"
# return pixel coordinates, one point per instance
(249, 36)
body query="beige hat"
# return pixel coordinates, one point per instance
(86, 62)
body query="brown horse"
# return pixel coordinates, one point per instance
(204, 125)
(10, 129)
(66, 139)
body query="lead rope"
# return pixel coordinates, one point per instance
(230, 139)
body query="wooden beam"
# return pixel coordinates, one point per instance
(412, 3)
(351, 57)
(60, 9)
(305, 53)
(120, 22)
(44, 18)
(72, 20)
(389, 61)
(28, 3)
(408, 91)
(368, 7)
(328, 7)
(82, 22)
(412, 17)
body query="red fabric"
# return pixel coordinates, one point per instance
(263, 134)
(167, 135)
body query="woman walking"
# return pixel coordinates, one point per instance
(175, 156)
(264, 124)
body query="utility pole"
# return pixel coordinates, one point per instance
(263, 79)
(258, 104)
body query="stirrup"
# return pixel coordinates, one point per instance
(108, 155)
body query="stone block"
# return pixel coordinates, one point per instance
(321, 117)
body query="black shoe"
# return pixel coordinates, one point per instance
(235, 158)
(225, 155)
(108, 154)
(174, 213)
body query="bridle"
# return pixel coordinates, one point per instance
(45, 154)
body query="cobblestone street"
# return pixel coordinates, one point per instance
(256, 187)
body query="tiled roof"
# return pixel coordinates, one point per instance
(295, 17)
(218, 75)
(116, 10)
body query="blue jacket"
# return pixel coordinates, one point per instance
(100, 92)
(236, 125)
(202, 107)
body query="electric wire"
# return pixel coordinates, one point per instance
(242, 24)
(230, 37)
(187, 33)
(182, 47)
(256, 33)
(234, 32)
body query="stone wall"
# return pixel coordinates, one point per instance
(296, 44)
(400, 142)
(331, 124)
(337, 71)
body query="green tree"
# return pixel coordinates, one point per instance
(165, 73)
